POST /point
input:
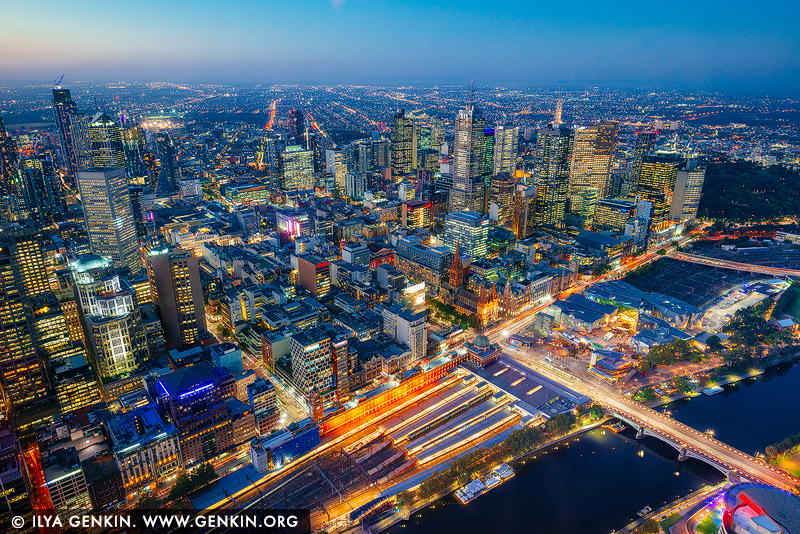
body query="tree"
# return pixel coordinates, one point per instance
(714, 344)
(148, 501)
(650, 526)
(661, 252)
(601, 269)
(595, 412)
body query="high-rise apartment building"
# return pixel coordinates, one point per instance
(298, 169)
(63, 109)
(470, 230)
(177, 291)
(401, 144)
(688, 189)
(506, 148)
(109, 217)
(551, 177)
(467, 192)
(20, 370)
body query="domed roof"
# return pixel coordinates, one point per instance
(482, 342)
(89, 262)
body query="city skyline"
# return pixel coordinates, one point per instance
(719, 45)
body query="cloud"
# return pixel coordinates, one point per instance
(337, 3)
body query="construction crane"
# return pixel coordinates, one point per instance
(58, 83)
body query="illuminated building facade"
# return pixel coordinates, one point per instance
(298, 169)
(422, 263)
(401, 144)
(470, 230)
(656, 183)
(502, 187)
(506, 148)
(467, 192)
(688, 189)
(551, 178)
(177, 291)
(27, 258)
(612, 215)
(313, 273)
(645, 144)
(416, 214)
(108, 149)
(63, 110)
(109, 217)
(592, 158)
(312, 362)
(523, 219)
(20, 370)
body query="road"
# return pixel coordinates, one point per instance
(736, 266)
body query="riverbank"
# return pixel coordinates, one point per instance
(417, 506)
(676, 511)
(721, 379)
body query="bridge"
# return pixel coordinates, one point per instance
(691, 443)
(736, 266)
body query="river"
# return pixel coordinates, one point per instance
(598, 481)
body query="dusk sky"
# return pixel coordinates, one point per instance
(733, 44)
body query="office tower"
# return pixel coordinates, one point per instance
(523, 219)
(656, 183)
(65, 483)
(422, 263)
(49, 327)
(108, 305)
(506, 148)
(81, 142)
(645, 144)
(428, 160)
(134, 142)
(169, 177)
(8, 161)
(74, 382)
(468, 182)
(296, 123)
(108, 150)
(108, 213)
(416, 214)
(20, 370)
(421, 141)
(298, 169)
(336, 166)
(688, 189)
(41, 188)
(437, 134)
(177, 291)
(63, 109)
(488, 153)
(313, 273)
(401, 145)
(28, 261)
(468, 229)
(502, 186)
(406, 190)
(14, 489)
(356, 253)
(612, 215)
(312, 362)
(551, 176)
(592, 158)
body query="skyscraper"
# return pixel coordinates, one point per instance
(592, 158)
(656, 183)
(296, 124)
(551, 177)
(177, 291)
(109, 217)
(688, 189)
(402, 134)
(81, 141)
(502, 185)
(41, 188)
(645, 144)
(108, 149)
(20, 370)
(63, 109)
(108, 305)
(523, 219)
(8, 161)
(298, 169)
(469, 149)
(169, 177)
(336, 165)
(506, 148)
(27, 258)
